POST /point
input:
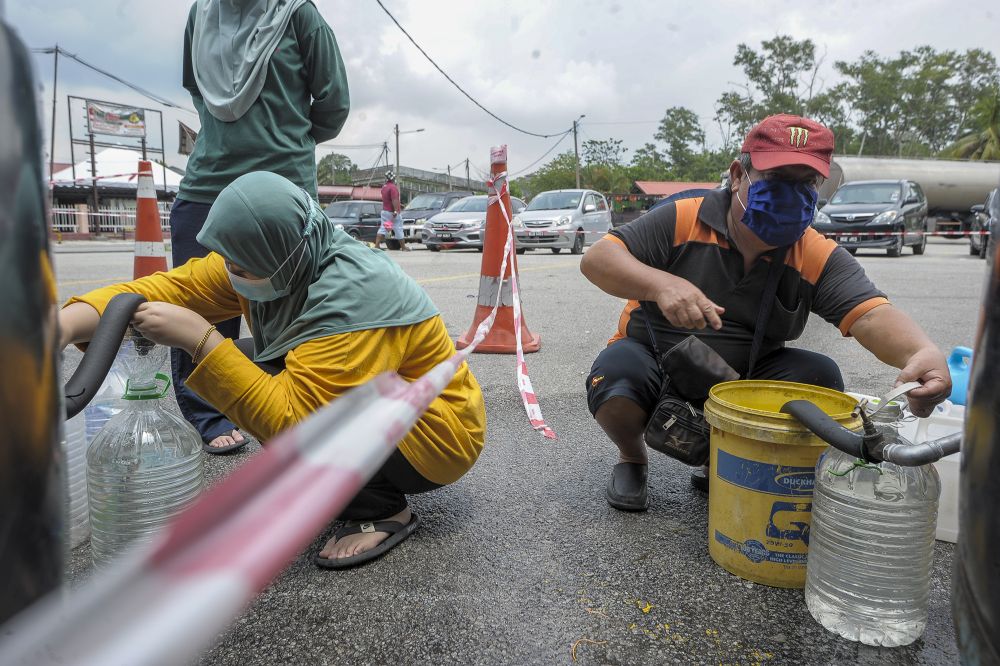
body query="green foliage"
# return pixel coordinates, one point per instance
(918, 103)
(335, 169)
(981, 144)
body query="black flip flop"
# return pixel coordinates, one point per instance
(398, 532)
(223, 450)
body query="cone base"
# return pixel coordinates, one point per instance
(501, 338)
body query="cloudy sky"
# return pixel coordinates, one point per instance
(538, 64)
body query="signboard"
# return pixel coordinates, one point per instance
(116, 120)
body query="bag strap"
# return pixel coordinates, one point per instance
(770, 292)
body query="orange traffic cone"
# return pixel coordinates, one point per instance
(150, 256)
(501, 338)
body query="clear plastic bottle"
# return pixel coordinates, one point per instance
(146, 464)
(108, 400)
(871, 545)
(74, 445)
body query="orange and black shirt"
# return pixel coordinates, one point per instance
(688, 238)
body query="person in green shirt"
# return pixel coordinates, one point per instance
(268, 82)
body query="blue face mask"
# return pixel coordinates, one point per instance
(263, 289)
(778, 211)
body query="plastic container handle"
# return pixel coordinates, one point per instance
(960, 356)
(96, 363)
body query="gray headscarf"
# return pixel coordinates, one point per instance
(232, 44)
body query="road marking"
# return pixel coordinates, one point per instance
(102, 281)
(443, 278)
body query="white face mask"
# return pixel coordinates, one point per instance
(263, 289)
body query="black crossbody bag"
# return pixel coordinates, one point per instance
(690, 369)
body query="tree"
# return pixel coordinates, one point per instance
(782, 78)
(681, 130)
(335, 169)
(603, 152)
(649, 164)
(984, 143)
(559, 173)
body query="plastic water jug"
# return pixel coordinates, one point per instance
(108, 400)
(74, 445)
(872, 544)
(146, 464)
(959, 364)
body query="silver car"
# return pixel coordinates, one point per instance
(462, 224)
(563, 219)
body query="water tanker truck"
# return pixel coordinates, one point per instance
(952, 186)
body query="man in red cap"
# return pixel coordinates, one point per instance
(702, 266)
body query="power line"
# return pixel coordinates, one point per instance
(546, 154)
(142, 91)
(624, 122)
(360, 146)
(452, 81)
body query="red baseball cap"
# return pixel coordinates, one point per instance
(784, 139)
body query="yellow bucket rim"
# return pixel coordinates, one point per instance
(744, 384)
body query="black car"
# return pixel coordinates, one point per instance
(361, 219)
(984, 226)
(876, 214)
(424, 206)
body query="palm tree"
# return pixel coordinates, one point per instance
(983, 143)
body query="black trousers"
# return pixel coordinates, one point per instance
(628, 369)
(385, 493)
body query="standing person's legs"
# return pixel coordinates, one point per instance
(397, 224)
(383, 229)
(186, 220)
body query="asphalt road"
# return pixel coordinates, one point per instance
(522, 559)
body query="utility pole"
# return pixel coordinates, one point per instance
(396, 128)
(52, 137)
(576, 152)
(468, 181)
(449, 178)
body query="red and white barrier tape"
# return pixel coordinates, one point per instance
(528, 397)
(865, 234)
(166, 600)
(131, 175)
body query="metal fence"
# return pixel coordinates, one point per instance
(107, 220)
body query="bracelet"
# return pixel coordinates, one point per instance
(201, 345)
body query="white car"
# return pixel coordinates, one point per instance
(563, 219)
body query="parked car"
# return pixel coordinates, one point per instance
(984, 226)
(563, 219)
(423, 207)
(361, 219)
(462, 224)
(882, 214)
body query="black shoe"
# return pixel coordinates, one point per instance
(627, 487)
(699, 478)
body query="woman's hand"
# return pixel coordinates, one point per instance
(170, 325)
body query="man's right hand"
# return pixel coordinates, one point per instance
(685, 306)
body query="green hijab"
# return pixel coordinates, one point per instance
(340, 285)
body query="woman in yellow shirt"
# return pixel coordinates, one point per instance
(327, 313)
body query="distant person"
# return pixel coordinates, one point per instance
(392, 222)
(268, 82)
(323, 323)
(699, 266)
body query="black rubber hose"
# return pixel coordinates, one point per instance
(86, 381)
(819, 422)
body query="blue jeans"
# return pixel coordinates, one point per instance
(186, 220)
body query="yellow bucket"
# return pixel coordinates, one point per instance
(762, 473)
